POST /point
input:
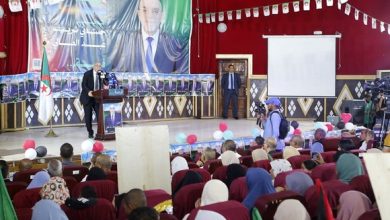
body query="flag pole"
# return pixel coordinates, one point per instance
(51, 132)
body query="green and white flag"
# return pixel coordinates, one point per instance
(46, 102)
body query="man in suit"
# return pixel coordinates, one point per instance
(33, 86)
(69, 84)
(157, 85)
(143, 86)
(11, 88)
(112, 120)
(170, 85)
(230, 83)
(156, 52)
(89, 84)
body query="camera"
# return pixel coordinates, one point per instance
(260, 108)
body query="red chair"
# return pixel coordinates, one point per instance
(78, 172)
(243, 152)
(328, 156)
(178, 176)
(212, 165)
(102, 210)
(25, 176)
(166, 216)
(246, 161)
(70, 182)
(26, 198)
(185, 198)
(324, 172)
(280, 179)
(304, 151)
(113, 176)
(333, 189)
(15, 187)
(268, 204)
(277, 155)
(114, 167)
(24, 213)
(372, 214)
(105, 189)
(362, 184)
(265, 164)
(331, 143)
(156, 196)
(238, 189)
(192, 165)
(296, 161)
(229, 210)
(220, 173)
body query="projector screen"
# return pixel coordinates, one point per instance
(302, 66)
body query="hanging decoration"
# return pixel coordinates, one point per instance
(296, 6)
(285, 8)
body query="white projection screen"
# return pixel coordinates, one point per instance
(302, 66)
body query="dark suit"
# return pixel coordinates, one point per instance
(170, 88)
(70, 85)
(110, 124)
(143, 88)
(230, 94)
(157, 89)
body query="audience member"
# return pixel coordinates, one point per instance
(309, 165)
(96, 173)
(352, 205)
(40, 179)
(233, 172)
(257, 143)
(229, 157)
(348, 166)
(55, 190)
(25, 164)
(144, 213)
(190, 177)
(47, 209)
(207, 214)
(54, 168)
(297, 142)
(93, 159)
(272, 122)
(259, 183)
(134, 199)
(290, 151)
(259, 154)
(208, 154)
(345, 146)
(86, 199)
(66, 152)
(4, 170)
(317, 146)
(270, 146)
(178, 163)
(229, 145)
(104, 162)
(369, 136)
(291, 209)
(214, 191)
(298, 182)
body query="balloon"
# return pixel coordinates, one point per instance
(291, 130)
(98, 147)
(349, 126)
(223, 126)
(87, 145)
(181, 138)
(295, 124)
(345, 117)
(29, 143)
(218, 135)
(317, 125)
(323, 127)
(330, 127)
(30, 153)
(255, 132)
(191, 139)
(228, 135)
(297, 132)
(41, 151)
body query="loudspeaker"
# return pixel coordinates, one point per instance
(356, 108)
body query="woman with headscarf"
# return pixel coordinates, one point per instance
(259, 183)
(179, 163)
(259, 154)
(214, 191)
(298, 182)
(233, 172)
(190, 177)
(348, 166)
(291, 209)
(229, 157)
(47, 209)
(39, 180)
(96, 173)
(55, 190)
(352, 205)
(345, 145)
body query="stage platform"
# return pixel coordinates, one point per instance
(11, 142)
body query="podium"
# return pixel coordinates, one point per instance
(109, 101)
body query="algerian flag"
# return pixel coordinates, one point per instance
(7, 210)
(46, 102)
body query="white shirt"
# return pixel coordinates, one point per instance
(154, 42)
(95, 87)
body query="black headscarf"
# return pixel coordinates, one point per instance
(96, 173)
(189, 178)
(233, 172)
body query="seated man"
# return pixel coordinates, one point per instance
(54, 168)
(25, 164)
(292, 150)
(66, 152)
(229, 145)
(104, 162)
(135, 198)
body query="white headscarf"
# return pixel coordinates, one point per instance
(291, 209)
(259, 154)
(214, 191)
(179, 163)
(46, 209)
(207, 215)
(229, 157)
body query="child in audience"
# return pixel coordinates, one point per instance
(369, 136)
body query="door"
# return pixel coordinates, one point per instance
(241, 67)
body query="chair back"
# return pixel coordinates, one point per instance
(102, 210)
(328, 156)
(324, 172)
(156, 196)
(280, 179)
(70, 182)
(192, 165)
(331, 143)
(220, 173)
(265, 164)
(26, 198)
(185, 198)
(25, 176)
(212, 165)
(296, 161)
(238, 189)
(15, 187)
(105, 189)
(24, 213)
(362, 184)
(228, 209)
(179, 175)
(113, 176)
(246, 161)
(78, 172)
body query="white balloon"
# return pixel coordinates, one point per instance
(30, 154)
(87, 145)
(349, 126)
(218, 135)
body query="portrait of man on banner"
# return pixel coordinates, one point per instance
(170, 84)
(182, 84)
(70, 85)
(55, 80)
(143, 85)
(22, 89)
(112, 117)
(33, 84)
(157, 84)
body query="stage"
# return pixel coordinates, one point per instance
(11, 142)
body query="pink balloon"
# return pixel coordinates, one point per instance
(191, 139)
(330, 127)
(223, 126)
(29, 143)
(346, 117)
(98, 147)
(297, 132)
